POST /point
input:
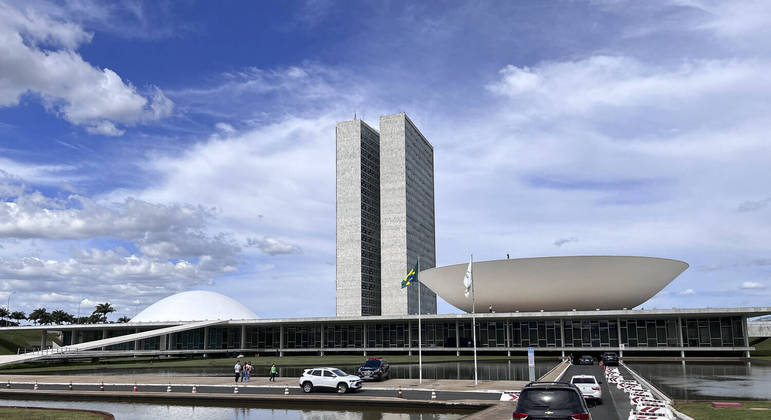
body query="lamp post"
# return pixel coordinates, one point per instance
(8, 305)
(81, 301)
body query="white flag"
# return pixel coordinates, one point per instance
(467, 280)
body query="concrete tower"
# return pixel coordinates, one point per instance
(406, 214)
(358, 219)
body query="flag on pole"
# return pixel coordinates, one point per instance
(467, 280)
(411, 276)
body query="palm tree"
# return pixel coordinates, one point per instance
(59, 317)
(35, 315)
(103, 309)
(4, 313)
(124, 319)
(46, 318)
(18, 316)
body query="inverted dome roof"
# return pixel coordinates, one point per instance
(194, 305)
(555, 283)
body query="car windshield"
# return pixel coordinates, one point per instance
(583, 381)
(373, 363)
(549, 399)
(339, 372)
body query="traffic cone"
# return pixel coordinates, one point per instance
(286, 390)
(135, 388)
(70, 387)
(35, 387)
(8, 385)
(399, 393)
(194, 390)
(168, 388)
(235, 389)
(433, 395)
(101, 387)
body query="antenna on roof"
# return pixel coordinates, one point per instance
(354, 115)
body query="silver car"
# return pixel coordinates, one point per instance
(329, 378)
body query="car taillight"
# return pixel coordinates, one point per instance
(596, 388)
(519, 415)
(581, 416)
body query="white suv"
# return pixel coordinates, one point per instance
(589, 387)
(327, 377)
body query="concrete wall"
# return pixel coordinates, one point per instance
(759, 329)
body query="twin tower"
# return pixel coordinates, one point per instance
(385, 217)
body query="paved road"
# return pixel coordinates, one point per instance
(262, 390)
(615, 403)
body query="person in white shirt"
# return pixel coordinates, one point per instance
(237, 369)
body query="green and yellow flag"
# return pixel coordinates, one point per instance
(411, 276)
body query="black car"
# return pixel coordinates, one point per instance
(375, 368)
(551, 400)
(586, 360)
(609, 358)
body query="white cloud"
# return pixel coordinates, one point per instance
(687, 292)
(753, 285)
(273, 246)
(38, 55)
(563, 241)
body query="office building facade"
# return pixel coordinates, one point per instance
(406, 214)
(358, 219)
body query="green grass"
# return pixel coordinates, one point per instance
(21, 413)
(295, 361)
(762, 350)
(12, 340)
(703, 410)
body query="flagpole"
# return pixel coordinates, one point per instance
(420, 342)
(473, 319)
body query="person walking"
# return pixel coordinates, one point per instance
(237, 369)
(248, 370)
(273, 372)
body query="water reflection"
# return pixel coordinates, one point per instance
(498, 370)
(709, 380)
(152, 411)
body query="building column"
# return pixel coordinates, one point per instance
(457, 338)
(243, 337)
(322, 340)
(618, 331)
(680, 339)
(364, 338)
(136, 342)
(281, 340)
(43, 338)
(409, 338)
(162, 342)
(507, 335)
(104, 336)
(205, 339)
(746, 335)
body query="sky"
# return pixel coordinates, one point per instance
(148, 148)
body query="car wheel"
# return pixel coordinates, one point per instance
(342, 388)
(599, 401)
(307, 387)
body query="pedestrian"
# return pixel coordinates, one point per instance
(248, 369)
(237, 369)
(273, 372)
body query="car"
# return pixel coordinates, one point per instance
(551, 400)
(586, 360)
(609, 358)
(589, 388)
(375, 368)
(329, 378)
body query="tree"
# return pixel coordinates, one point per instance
(95, 318)
(124, 319)
(103, 309)
(84, 320)
(4, 313)
(18, 316)
(46, 318)
(35, 315)
(59, 317)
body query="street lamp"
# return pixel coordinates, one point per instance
(8, 305)
(81, 301)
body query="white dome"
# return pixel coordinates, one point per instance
(195, 305)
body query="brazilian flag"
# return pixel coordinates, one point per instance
(411, 276)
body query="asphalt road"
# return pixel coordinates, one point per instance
(615, 403)
(262, 390)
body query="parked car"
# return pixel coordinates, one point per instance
(329, 378)
(589, 388)
(551, 400)
(375, 368)
(609, 358)
(586, 360)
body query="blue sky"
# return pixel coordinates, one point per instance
(152, 147)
